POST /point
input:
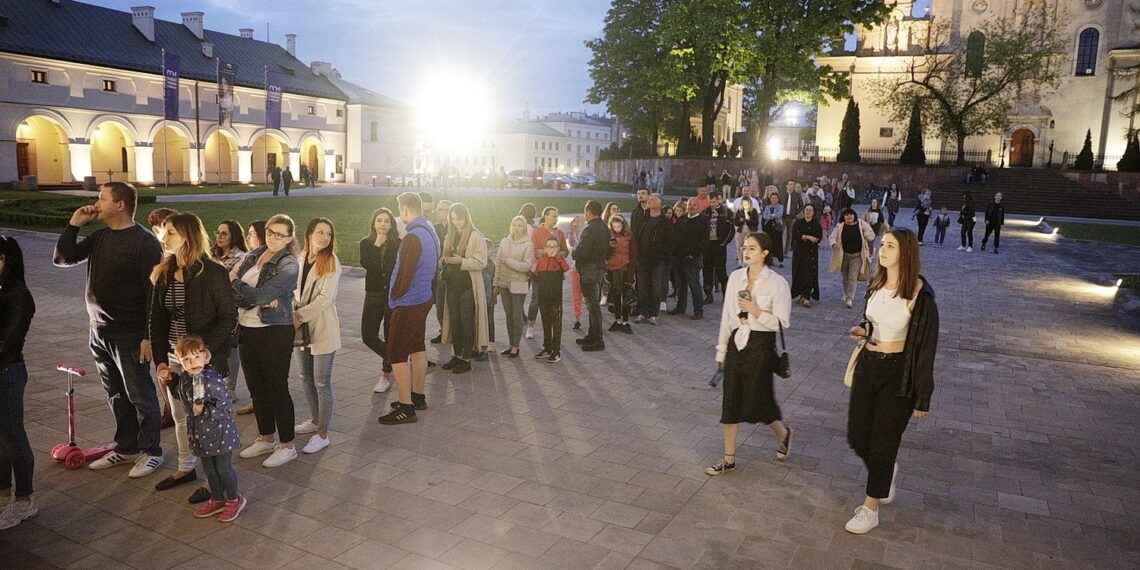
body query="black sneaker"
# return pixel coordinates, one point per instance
(544, 354)
(438, 339)
(577, 325)
(615, 327)
(594, 346)
(675, 312)
(983, 246)
(200, 495)
(708, 299)
(461, 367)
(450, 363)
(481, 357)
(584, 340)
(720, 468)
(625, 328)
(419, 402)
(404, 414)
(697, 316)
(785, 446)
(995, 250)
(554, 357)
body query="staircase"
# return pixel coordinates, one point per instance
(1038, 192)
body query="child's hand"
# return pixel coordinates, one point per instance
(198, 409)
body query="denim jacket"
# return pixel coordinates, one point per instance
(277, 281)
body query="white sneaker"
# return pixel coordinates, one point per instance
(258, 447)
(113, 459)
(960, 248)
(384, 384)
(316, 443)
(145, 465)
(663, 307)
(864, 520)
(653, 321)
(891, 494)
(282, 454)
(848, 303)
(530, 331)
(17, 512)
(969, 250)
(602, 301)
(304, 427)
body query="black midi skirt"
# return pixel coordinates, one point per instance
(748, 393)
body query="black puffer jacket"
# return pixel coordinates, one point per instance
(210, 313)
(16, 311)
(920, 347)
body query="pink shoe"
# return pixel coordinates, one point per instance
(209, 509)
(232, 510)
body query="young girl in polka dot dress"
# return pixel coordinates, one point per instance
(212, 431)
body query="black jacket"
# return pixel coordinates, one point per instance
(637, 218)
(594, 246)
(690, 236)
(920, 347)
(16, 310)
(210, 313)
(724, 229)
(995, 214)
(751, 218)
(379, 262)
(653, 239)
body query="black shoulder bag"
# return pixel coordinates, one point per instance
(783, 367)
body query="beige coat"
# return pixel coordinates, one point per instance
(474, 261)
(514, 261)
(837, 248)
(317, 306)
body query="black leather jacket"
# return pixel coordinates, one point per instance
(210, 313)
(16, 310)
(920, 347)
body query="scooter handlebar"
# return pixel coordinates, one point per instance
(70, 370)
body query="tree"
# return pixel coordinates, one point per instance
(849, 134)
(913, 152)
(1130, 162)
(964, 94)
(1130, 73)
(1085, 160)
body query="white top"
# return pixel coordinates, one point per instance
(771, 293)
(250, 318)
(890, 316)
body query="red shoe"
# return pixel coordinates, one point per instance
(209, 509)
(232, 509)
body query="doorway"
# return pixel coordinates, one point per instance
(1021, 148)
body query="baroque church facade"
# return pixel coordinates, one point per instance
(1100, 36)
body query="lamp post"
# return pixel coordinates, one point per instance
(1051, 154)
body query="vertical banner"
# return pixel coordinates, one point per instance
(227, 75)
(170, 70)
(273, 90)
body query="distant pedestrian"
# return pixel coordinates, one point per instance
(967, 218)
(922, 211)
(851, 244)
(547, 227)
(941, 222)
(772, 221)
(689, 235)
(653, 243)
(874, 217)
(286, 180)
(806, 235)
(891, 203)
(995, 219)
(619, 272)
(659, 181)
(573, 237)
(747, 219)
(229, 249)
(719, 234)
(275, 176)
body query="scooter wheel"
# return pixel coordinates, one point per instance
(75, 459)
(56, 452)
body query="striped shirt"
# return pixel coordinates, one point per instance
(175, 303)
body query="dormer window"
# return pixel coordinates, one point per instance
(109, 85)
(39, 76)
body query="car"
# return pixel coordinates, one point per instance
(556, 181)
(520, 179)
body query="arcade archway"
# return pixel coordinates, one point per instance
(42, 151)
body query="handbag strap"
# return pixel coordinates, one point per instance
(783, 346)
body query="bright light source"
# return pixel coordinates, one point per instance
(774, 148)
(1056, 230)
(453, 109)
(1041, 219)
(1119, 282)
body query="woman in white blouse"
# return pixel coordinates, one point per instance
(746, 348)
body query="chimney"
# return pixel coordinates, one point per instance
(143, 19)
(208, 49)
(291, 44)
(246, 33)
(193, 22)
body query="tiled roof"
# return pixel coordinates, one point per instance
(82, 33)
(520, 127)
(577, 118)
(357, 94)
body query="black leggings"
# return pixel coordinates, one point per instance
(877, 417)
(994, 229)
(922, 221)
(968, 234)
(461, 319)
(265, 356)
(375, 314)
(552, 327)
(620, 294)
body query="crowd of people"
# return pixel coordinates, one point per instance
(203, 310)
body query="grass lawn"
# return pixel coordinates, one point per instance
(1128, 235)
(351, 214)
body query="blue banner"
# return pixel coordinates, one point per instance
(227, 75)
(170, 70)
(274, 83)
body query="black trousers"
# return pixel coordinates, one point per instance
(968, 234)
(591, 279)
(877, 417)
(374, 315)
(620, 294)
(923, 219)
(551, 327)
(265, 356)
(994, 229)
(716, 255)
(687, 271)
(461, 319)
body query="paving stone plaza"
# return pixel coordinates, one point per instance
(1029, 458)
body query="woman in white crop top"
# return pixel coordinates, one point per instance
(746, 348)
(893, 371)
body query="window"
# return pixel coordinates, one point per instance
(557, 146)
(340, 164)
(339, 113)
(975, 54)
(536, 146)
(580, 134)
(312, 109)
(587, 163)
(886, 132)
(543, 145)
(374, 133)
(39, 76)
(1087, 46)
(109, 85)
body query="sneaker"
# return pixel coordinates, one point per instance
(995, 250)
(864, 520)
(616, 326)
(663, 307)
(450, 363)
(280, 456)
(785, 446)
(17, 512)
(891, 494)
(145, 465)
(461, 367)
(305, 427)
(602, 301)
(848, 303)
(382, 386)
(209, 509)
(316, 443)
(232, 509)
(200, 495)
(403, 414)
(554, 357)
(961, 248)
(625, 328)
(653, 321)
(639, 319)
(258, 447)
(419, 402)
(720, 468)
(530, 331)
(697, 316)
(546, 353)
(113, 459)
(983, 246)
(577, 325)
(920, 243)
(438, 339)
(481, 357)
(969, 250)
(594, 346)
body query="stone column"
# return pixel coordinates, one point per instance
(80, 151)
(144, 164)
(245, 164)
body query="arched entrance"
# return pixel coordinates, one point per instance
(171, 151)
(112, 156)
(221, 158)
(41, 151)
(1021, 148)
(269, 152)
(313, 158)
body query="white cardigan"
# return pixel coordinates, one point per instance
(771, 293)
(318, 308)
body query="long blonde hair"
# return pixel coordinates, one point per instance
(195, 246)
(457, 244)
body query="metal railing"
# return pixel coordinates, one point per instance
(879, 155)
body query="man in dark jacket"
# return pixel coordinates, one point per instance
(653, 238)
(995, 219)
(286, 180)
(720, 232)
(590, 259)
(275, 176)
(689, 236)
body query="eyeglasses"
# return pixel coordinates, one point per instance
(273, 234)
(221, 233)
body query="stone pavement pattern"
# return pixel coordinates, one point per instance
(1029, 458)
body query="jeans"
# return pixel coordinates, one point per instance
(923, 219)
(852, 263)
(516, 317)
(532, 307)
(688, 272)
(968, 234)
(592, 292)
(374, 315)
(891, 214)
(552, 327)
(939, 234)
(994, 229)
(461, 320)
(620, 294)
(877, 417)
(186, 459)
(130, 392)
(265, 355)
(490, 317)
(222, 476)
(650, 293)
(714, 266)
(16, 457)
(316, 376)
